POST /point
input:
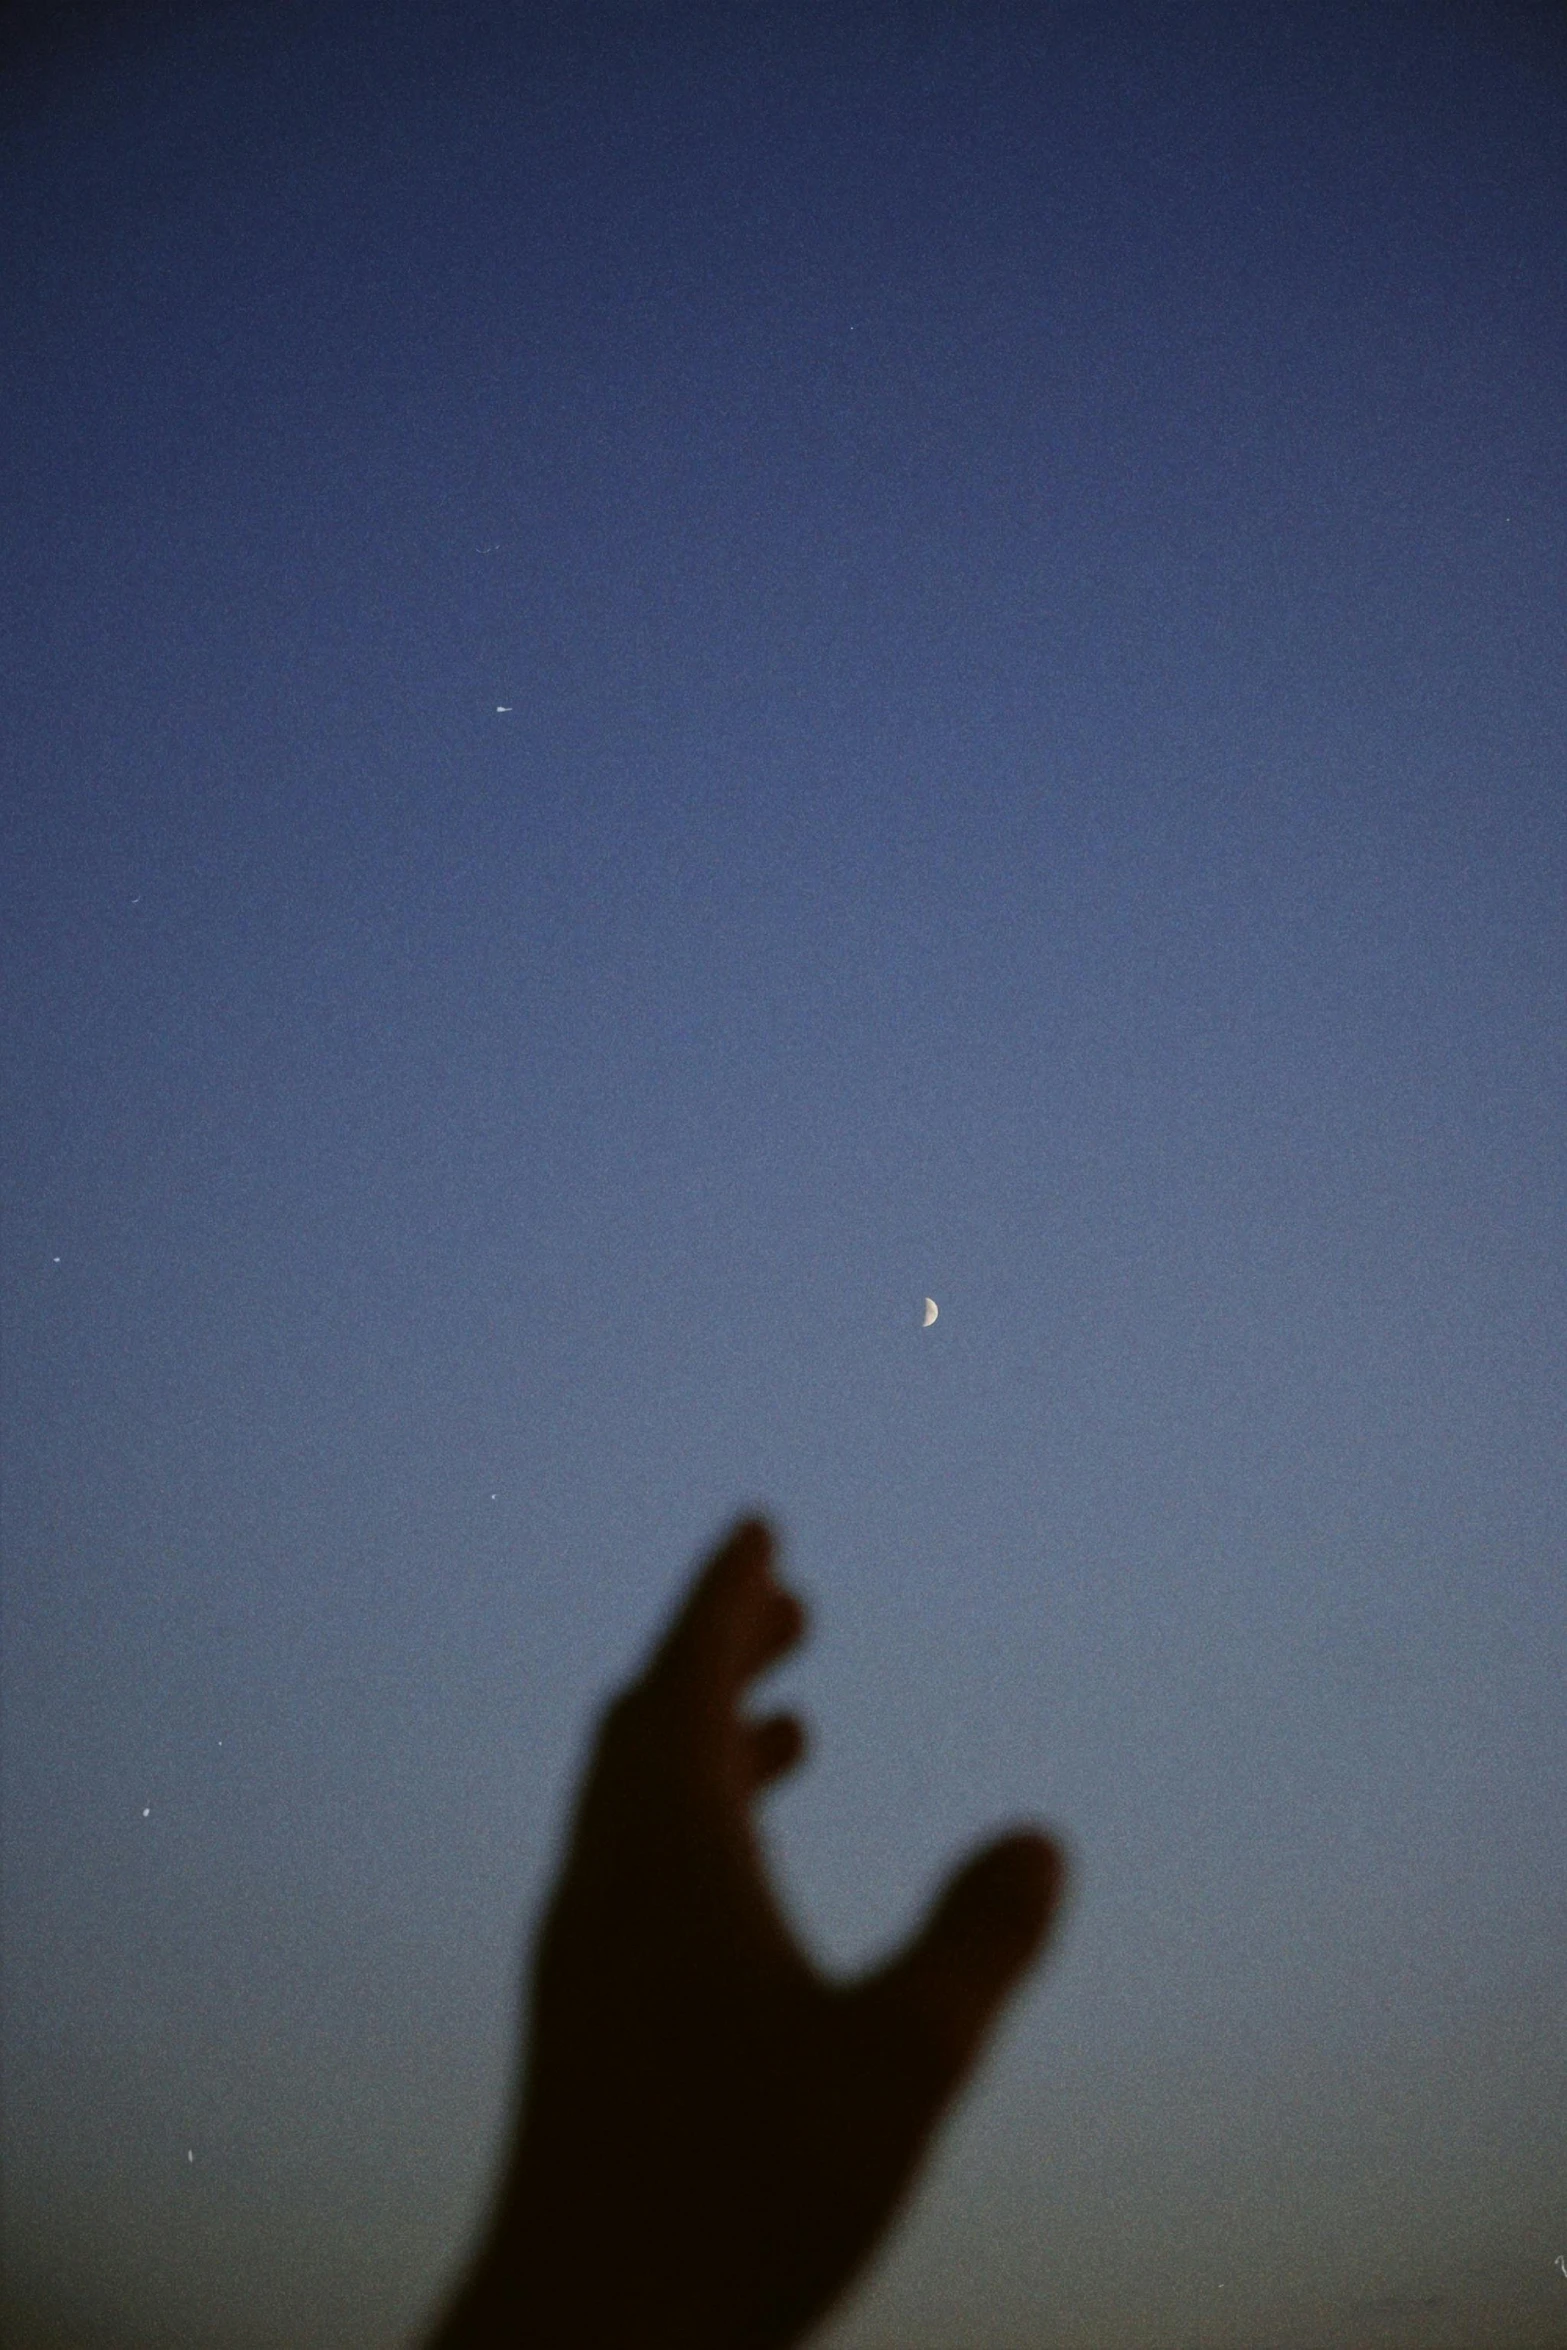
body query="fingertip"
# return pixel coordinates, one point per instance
(777, 1745)
(749, 1548)
(1037, 1876)
(1008, 1894)
(1043, 1854)
(752, 1532)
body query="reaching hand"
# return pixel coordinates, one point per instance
(713, 2136)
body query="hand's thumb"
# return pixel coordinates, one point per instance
(986, 1926)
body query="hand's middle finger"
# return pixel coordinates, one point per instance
(735, 1622)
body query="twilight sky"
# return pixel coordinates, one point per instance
(674, 677)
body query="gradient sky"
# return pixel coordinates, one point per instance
(674, 677)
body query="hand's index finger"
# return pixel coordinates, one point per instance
(735, 1621)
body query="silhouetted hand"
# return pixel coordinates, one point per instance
(713, 2137)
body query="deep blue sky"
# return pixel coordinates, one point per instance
(673, 678)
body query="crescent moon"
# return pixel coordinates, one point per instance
(930, 1311)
